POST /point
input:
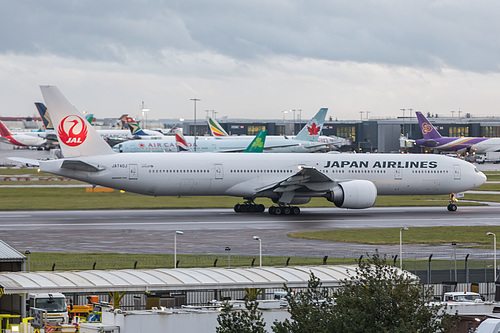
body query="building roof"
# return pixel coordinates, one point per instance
(143, 280)
(8, 253)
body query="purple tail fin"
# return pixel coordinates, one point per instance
(428, 131)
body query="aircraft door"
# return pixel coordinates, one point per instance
(133, 172)
(398, 175)
(458, 174)
(219, 171)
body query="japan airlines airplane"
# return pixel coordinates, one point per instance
(432, 139)
(346, 180)
(20, 139)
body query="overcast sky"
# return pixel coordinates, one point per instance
(252, 59)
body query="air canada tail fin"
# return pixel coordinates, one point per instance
(76, 136)
(180, 142)
(215, 128)
(312, 130)
(4, 131)
(42, 110)
(257, 144)
(428, 131)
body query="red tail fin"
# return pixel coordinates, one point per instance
(4, 131)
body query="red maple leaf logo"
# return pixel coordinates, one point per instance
(313, 129)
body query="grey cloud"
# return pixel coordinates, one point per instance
(423, 33)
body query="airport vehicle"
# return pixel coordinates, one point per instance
(432, 139)
(54, 304)
(490, 156)
(347, 180)
(28, 139)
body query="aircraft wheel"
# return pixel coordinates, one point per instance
(261, 208)
(278, 210)
(244, 208)
(237, 208)
(295, 210)
(272, 210)
(287, 211)
(452, 207)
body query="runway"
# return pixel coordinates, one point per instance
(210, 231)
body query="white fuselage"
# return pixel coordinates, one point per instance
(489, 145)
(276, 144)
(243, 175)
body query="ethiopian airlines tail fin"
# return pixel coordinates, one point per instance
(47, 122)
(215, 128)
(180, 142)
(76, 136)
(257, 144)
(312, 130)
(428, 131)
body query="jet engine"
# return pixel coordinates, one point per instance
(353, 194)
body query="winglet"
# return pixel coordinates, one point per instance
(180, 142)
(257, 144)
(312, 130)
(428, 131)
(215, 128)
(76, 136)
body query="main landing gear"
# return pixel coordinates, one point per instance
(451, 206)
(284, 210)
(249, 207)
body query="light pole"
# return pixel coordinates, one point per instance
(175, 247)
(28, 254)
(144, 112)
(401, 246)
(195, 100)
(494, 252)
(361, 115)
(228, 256)
(260, 249)
(455, 257)
(403, 120)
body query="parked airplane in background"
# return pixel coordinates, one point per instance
(432, 139)
(310, 132)
(230, 144)
(256, 146)
(28, 139)
(138, 132)
(347, 180)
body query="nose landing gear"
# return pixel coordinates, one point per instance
(452, 207)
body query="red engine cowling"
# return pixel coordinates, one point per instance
(353, 194)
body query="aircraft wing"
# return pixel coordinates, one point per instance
(307, 179)
(430, 143)
(81, 166)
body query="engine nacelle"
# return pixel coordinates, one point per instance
(353, 194)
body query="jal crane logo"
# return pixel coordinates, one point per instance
(72, 131)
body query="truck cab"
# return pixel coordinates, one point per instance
(54, 304)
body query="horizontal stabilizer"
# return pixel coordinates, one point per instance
(25, 161)
(81, 166)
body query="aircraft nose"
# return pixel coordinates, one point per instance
(481, 178)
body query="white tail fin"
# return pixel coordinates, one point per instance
(76, 136)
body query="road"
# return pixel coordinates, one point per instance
(210, 231)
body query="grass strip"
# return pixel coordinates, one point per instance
(465, 236)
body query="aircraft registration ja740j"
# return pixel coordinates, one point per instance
(347, 180)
